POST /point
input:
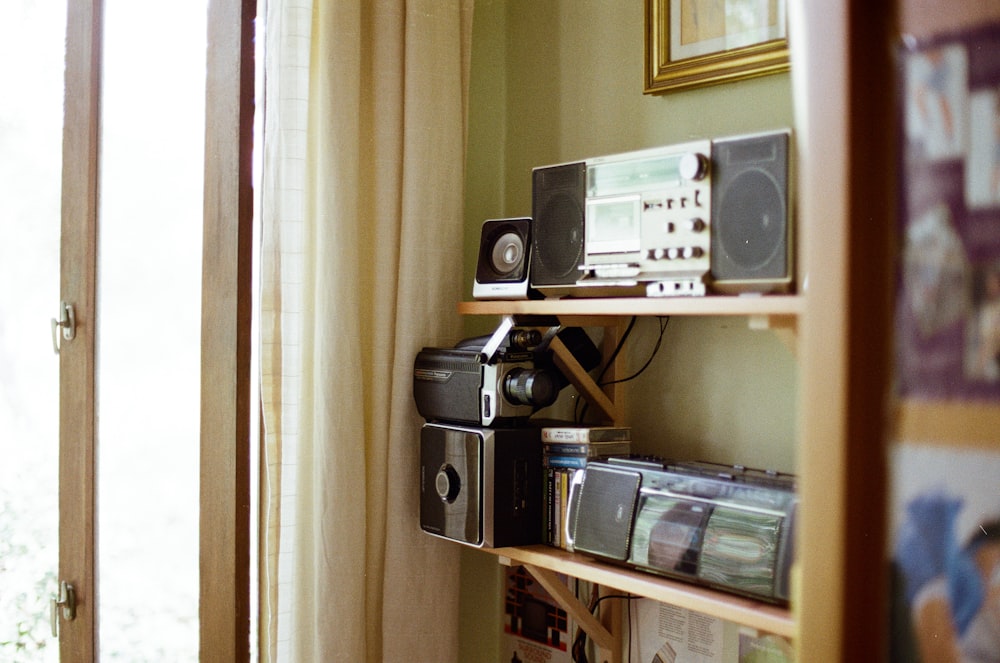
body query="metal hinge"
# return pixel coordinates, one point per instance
(64, 603)
(66, 321)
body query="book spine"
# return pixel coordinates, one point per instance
(564, 495)
(586, 434)
(566, 461)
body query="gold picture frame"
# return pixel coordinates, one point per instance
(693, 43)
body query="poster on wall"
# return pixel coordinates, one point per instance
(535, 628)
(945, 543)
(948, 304)
(664, 633)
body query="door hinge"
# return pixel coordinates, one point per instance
(65, 603)
(67, 322)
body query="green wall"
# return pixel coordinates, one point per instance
(558, 80)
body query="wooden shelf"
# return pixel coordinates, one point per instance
(745, 611)
(778, 313)
(775, 306)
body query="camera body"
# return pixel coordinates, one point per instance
(493, 381)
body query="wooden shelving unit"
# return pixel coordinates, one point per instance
(779, 313)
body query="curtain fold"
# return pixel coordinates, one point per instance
(361, 266)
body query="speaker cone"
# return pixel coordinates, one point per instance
(503, 251)
(507, 254)
(752, 220)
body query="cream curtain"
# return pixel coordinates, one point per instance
(361, 266)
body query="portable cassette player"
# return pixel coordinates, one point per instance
(731, 528)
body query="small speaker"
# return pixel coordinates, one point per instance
(502, 270)
(751, 249)
(557, 209)
(481, 486)
(604, 509)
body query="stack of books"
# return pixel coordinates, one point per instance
(566, 450)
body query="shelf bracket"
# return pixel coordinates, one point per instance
(585, 386)
(785, 327)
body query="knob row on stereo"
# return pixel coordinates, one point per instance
(676, 253)
(694, 225)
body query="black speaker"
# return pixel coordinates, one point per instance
(604, 507)
(481, 486)
(751, 249)
(502, 270)
(557, 209)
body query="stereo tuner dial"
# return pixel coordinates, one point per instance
(447, 483)
(693, 166)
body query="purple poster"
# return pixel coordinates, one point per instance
(948, 308)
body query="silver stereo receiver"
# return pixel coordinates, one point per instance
(706, 216)
(647, 217)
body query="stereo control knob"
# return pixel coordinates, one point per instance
(694, 225)
(447, 483)
(693, 166)
(673, 253)
(692, 252)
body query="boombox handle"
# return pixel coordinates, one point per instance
(489, 352)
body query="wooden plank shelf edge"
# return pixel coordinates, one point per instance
(787, 308)
(763, 616)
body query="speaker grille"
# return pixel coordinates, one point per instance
(751, 227)
(557, 209)
(604, 514)
(752, 214)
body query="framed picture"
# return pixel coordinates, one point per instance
(692, 43)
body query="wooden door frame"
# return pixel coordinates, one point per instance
(78, 277)
(224, 603)
(225, 526)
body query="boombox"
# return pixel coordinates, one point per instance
(481, 486)
(685, 219)
(730, 528)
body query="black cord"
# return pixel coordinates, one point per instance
(663, 322)
(656, 349)
(618, 348)
(579, 415)
(579, 648)
(578, 652)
